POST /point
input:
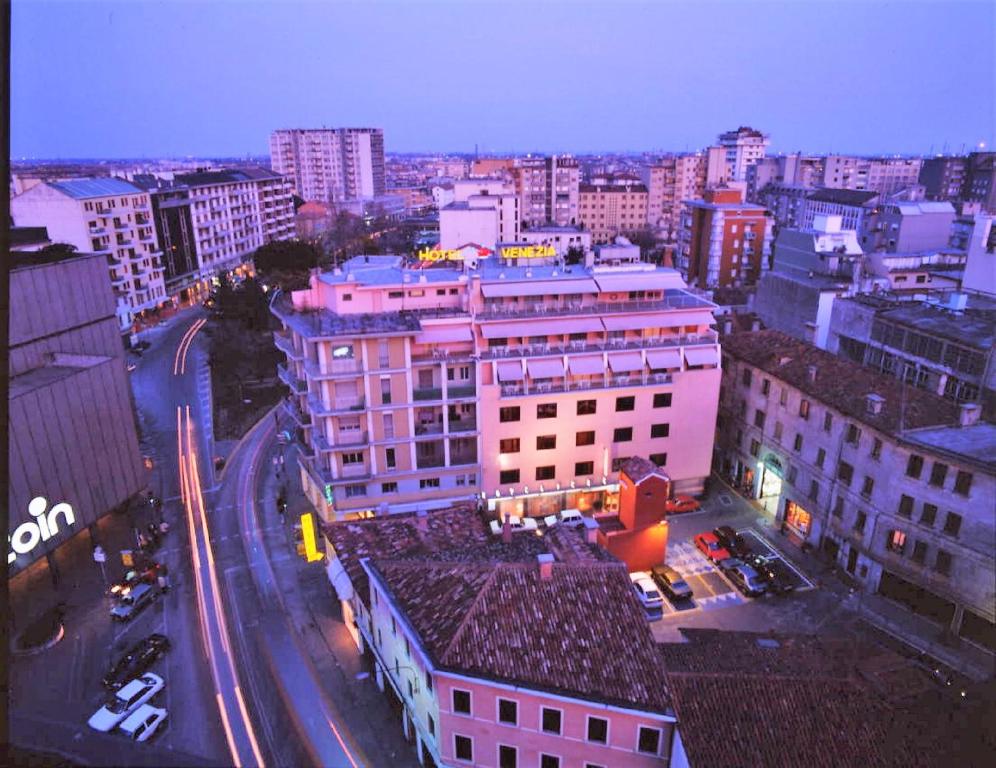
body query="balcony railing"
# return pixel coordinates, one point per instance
(427, 394)
(465, 390)
(338, 404)
(429, 428)
(463, 425)
(494, 310)
(442, 355)
(285, 344)
(292, 381)
(460, 458)
(428, 462)
(601, 345)
(354, 470)
(300, 417)
(607, 382)
(332, 368)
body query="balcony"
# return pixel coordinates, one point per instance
(94, 231)
(284, 342)
(680, 300)
(354, 470)
(338, 405)
(429, 428)
(465, 390)
(607, 382)
(427, 394)
(300, 417)
(601, 345)
(333, 368)
(459, 458)
(430, 461)
(463, 425)
(292, 381)
(441, 356)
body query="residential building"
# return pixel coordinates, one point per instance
(905, 227)
(312, 220)
(436, 602)
(484, 212)
(884, 175)
(947, 349)
(492, 166)
(811, 269)
(895, 484)
(785, 202)
(418, 385)
(561, 239)
(109, 217)
(980, 265)
(612, 209)
(980, 180)
(723, 241)
(943, 177)
(743, 148)
(548, 190)
(330, 165)
(72, 441)
(850, 205)
(670, 181)
(794, 170)
(417, 200)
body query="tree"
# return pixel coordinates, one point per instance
(574, 255)
(57, 249)
(287, 263)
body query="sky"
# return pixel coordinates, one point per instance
(153, 78)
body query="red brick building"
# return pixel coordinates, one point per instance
(638, 534)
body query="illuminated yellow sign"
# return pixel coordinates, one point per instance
(436, 254)
(528, 252)
(311, 552)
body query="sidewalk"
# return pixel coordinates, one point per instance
(315, 612)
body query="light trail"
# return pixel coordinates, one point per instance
(245, 716)
(180, 358)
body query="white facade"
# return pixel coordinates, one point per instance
(743, 148)
(330, 165)
(485, 220)
(105, 216)
(980, 269)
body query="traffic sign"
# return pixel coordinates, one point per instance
(99, 556)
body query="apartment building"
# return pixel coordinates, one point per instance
(548, 190)
(907, 227)
(73, 447)
(723, 241)
(980, 180)
(669, 182)
(793, 170)
(895, 484)
(884, 175)
(943, 177)
(484, 212)
(492, 166)
(528, 386)
(785, 202)
(611, 209)
(850, 205)
(742, 148)
(109, 217)
(330, 165)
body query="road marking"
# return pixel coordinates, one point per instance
(776, 555)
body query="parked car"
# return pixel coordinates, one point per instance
(743, 577)
(147, 573)
(774, 571)
(646, 591)
(144, 722)
(516, 523)
(126, 700)
(731, 541)
(709, 546)
(681, 503)
(671, 582)
(136, 660)
(571, 517)
(134, 602)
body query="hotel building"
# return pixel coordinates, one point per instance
(527, 386)
(330, 165)
(109, 217)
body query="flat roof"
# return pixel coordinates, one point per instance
(47, 375)
(976, 443)
(81, 189)
(975, 328)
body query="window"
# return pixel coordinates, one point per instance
(585, 438)
(814, 490)
(428, 482)
(649, 740)
(895, 541)
(550, 720)
(746, 377)
(845, 472)
(618, 462)
(546, 411)
(952, 524)
(929, 514)
(827, 422)
(660, 430)
(838, 507)
(507, 756)
(388, 487)
(759, 418)
(546, 442)
(508, 712)
(919, 552)
(389, 454)
(625, 403)
(354, 490)
(914, 466)
(783, 398)
(660, 459)
(395, 294)
(461, 701)
(507, 476)
(583, 468)
(876, 452)
(662, 400)
(821, 456)
(598, 730)
(859, 522)
(866, 486)
(963, 483)
(549, 761)
(546, 473)
(510, 413)
(432, 725)
(938, 473)
(508, 445)
(793, 473)
(428, 681)
(755, 448)
(804, 409)
(765, 386)
(347, 297)
(352, 458)
(463, 747)
(797, 443)
(622, 434)
(778, 430)
(586, 407)
(942, 563)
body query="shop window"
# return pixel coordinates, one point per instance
(938, 473)
(510, 413)
(942, 563)
(905, 506)
(587, 407)
(546, 411)
(584, 468)
(585, 438)
(952, 524)
(508, 476)
(508, 445)
(895, 541)
(914, 466)
(798, 518)
(659, 459)
(546, 442)
(963, 483)
(929, 514)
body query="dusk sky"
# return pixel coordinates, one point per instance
(146, 79)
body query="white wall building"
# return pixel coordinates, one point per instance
(330, 165)
(743, 148)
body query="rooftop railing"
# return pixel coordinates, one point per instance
(497, 310)
(602, 345)
(605, 382)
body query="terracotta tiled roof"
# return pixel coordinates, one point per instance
(793, 700)
(840, 383)
(582, 632)
(638, 469)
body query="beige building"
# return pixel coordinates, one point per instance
(330, 165)
(669, 182)
(743, 148)
(548, 190)
(612, 209)
(884, 175)
(109, 217)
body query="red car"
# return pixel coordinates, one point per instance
(681, 503)
(709, 546)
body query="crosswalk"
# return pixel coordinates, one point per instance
(720, 601)
(687, 560)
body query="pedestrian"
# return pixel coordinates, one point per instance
(163, 527)
(164, 582)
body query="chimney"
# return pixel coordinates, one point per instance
(811, 372)
(545, 566)
(727, 326)
(755, 325)
(590, 530)
(506, 530)
(969, 414)
(422, 520)
(874, 403)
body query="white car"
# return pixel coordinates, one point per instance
(550, 521)
(142, 724)
(126, 700)
(646, 590)
(517, 524)
(571, 517)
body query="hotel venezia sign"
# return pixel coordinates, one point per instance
(510, 252)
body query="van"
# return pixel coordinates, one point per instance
(130, 605)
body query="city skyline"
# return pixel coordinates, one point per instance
(617, 64)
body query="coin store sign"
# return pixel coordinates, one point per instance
(43, 527)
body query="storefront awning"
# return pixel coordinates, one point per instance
(591, 365)
(624, 362)
(663, 359)
(444, 334)
(545, 369)
(701, 356)
(509, 372)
